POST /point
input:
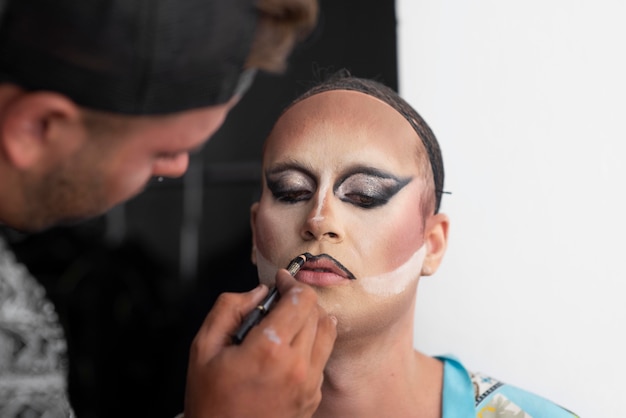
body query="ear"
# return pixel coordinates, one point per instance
(39, 128)
(254, 209)
(436, 240)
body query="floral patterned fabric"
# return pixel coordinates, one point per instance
(467, 395)
(33, 366)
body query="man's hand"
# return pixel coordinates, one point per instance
(276, 371)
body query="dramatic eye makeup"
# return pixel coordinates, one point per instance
(290, 185)
(364, 187)
(368, 188)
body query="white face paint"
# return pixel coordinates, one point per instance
(265, 269)
(267, 275)
(346, 183)
(271, 335)
(322, 198)
(390, 283)
(396, 281)
(294, 295)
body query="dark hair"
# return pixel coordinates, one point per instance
(343, 80)
(281, 25)
(154, 57)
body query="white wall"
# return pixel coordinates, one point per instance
(528, 101)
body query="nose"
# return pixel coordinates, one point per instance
(171, 166)
(322, 221)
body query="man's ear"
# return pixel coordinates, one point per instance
(253, 212)
(436, 240)
(39, 128)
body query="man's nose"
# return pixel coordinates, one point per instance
(174, 166)
(322, 221)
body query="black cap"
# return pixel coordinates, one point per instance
(128, 56)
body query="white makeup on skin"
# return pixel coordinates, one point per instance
(390, 283)
(322, 198)
(261, 310)
(267, 274)
(294, 295)
(396, 281)
(265, 269)
(271, 335)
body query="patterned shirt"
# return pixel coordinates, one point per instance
(468, 395)
(33, 366)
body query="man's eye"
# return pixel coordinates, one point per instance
(369, 191)
(290, 186)
(364, 201)
(291, 196)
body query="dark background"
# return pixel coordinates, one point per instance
(132, 287)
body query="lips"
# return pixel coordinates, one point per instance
(323, 270)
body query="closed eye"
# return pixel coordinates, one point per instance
(291, 196)
(364, 201)
(368, 190)
(290, 186)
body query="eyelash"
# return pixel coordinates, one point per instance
(365, 201)
(357, 199)
(291, 196)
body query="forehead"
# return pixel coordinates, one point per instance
(338, 125)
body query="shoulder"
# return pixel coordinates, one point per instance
(467, 393)
(33, 367)
(496, 399)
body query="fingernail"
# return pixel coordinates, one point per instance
(334, 319)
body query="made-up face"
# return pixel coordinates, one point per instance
(342, 182)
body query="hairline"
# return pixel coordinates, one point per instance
(429, 204)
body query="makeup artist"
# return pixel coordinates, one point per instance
(97, 97)
(353, 176)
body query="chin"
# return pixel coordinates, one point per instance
(78, 218)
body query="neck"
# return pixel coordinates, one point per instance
(385, 377)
